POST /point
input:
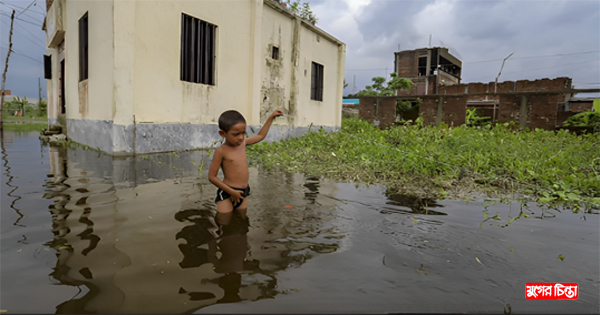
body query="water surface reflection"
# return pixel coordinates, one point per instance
(142, 234)
(86, 233)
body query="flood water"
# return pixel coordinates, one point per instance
(88, 233)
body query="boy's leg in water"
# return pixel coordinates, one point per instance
(225, 206)
(223, 218)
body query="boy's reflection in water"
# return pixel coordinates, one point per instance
(228, 247)
(228, 253)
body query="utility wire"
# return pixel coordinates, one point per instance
(537, 57)
(16, 7)
(30, 40)
(27, 8)
(20, 19)
(20, 53)
(562, 65)
(31, 58)
(26, 14)
(33, 18)
(43, 42)
(26, 37)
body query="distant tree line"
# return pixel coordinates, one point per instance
(20, 106)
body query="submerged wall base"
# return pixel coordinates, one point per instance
(152, 138)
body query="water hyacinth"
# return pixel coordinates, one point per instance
(553, 168)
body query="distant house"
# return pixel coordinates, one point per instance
(428, 68)
(149, 76)
(350, 102)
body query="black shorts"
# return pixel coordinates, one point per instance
(222, 195)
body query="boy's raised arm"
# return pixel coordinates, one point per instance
(264, 130)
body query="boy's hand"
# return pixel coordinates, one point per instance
(277, 113)
(236, 196)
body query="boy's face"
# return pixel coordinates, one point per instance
(235, 136)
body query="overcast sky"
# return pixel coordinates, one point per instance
(549, 38)
(26, 62)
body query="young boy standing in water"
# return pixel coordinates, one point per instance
(231, 157)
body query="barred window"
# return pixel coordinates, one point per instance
(197, 50)
(83, 47)
(316, 82)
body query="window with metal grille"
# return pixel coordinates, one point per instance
(47, 66)
(83, 47)
(316, 82)
(197, 50)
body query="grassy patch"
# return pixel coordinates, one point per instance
(7, 119)
(25, 126)
(557, 169)
(24, 123)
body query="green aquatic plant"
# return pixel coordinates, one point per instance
(557, 169)
(587, 119)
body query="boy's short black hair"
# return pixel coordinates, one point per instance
(230, 118)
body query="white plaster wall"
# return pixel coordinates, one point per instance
(134, 76)
(277, 30)
(100, 79)
(53, 86)
(160, 95)
(124, 60)
(317, 48)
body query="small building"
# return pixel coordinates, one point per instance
(579, 104)
(428, 68)
(132, 77)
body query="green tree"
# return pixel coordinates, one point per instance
(382, 88)
(42, 107)
(302, 10)
(17, 104)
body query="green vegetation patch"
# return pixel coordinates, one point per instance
(586, 119)
(553, 168)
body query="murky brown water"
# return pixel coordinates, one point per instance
(87, 233)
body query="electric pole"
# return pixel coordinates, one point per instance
(39, 96)
(12, 19)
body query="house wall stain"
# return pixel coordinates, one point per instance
(83, 98)
(273, 87)
(295, 61)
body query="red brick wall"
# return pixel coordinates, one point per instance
(509, 109)
(544, 110)
(455, 110)
(429, 110)
(407, 65)
(580, 107)
(385, 114)
(546, 84)
(541, 110)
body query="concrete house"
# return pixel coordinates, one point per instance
(131, 77)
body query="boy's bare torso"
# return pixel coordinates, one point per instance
(235, 165)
